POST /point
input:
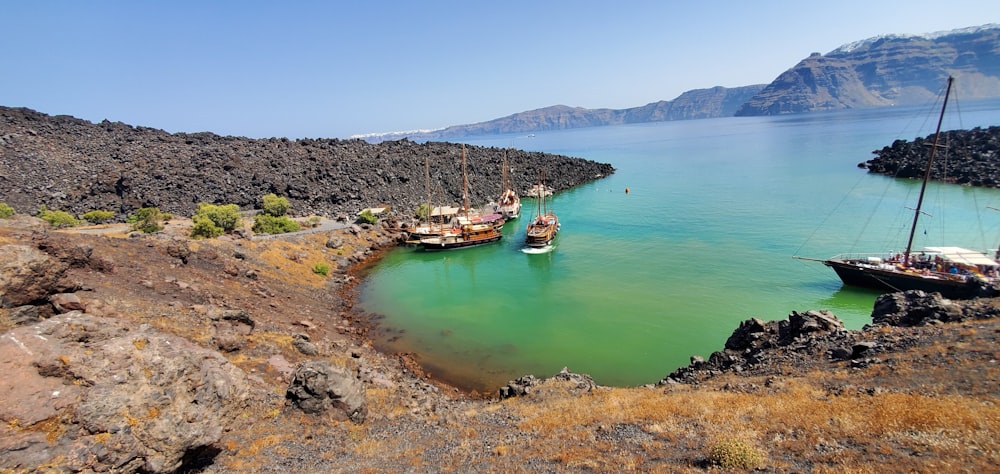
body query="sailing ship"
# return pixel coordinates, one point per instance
(954, 272)
(544, 226)
(508, 204)
(467, 229)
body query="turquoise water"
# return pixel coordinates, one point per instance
(637, 283)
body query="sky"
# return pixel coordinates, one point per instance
(333, 69)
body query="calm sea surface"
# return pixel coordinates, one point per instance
(638, 283)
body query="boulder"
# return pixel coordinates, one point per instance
(320, 388)
(27, 275)
(129, 399)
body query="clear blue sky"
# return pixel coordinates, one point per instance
(333, 69)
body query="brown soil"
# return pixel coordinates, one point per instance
(930, 406)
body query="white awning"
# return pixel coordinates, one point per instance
(964, 256)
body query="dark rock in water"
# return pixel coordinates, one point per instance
(973, 158)
(319, 388)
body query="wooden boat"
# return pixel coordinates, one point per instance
(508, 204)
(953, 272)
(543, 226)
(467, 229)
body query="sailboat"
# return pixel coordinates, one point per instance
(467, 229)
(954, 272)
(508, 204)
(544, 226)
(434, 223)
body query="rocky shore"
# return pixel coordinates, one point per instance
(970, 157)
(77, 166)
(155, 353)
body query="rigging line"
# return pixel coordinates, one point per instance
(831, 213)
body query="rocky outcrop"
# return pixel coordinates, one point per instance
(563, 382)
(916, 308)
(886, 70)
(100, 395)
(320, 388)
(971, 157)
(77, 166)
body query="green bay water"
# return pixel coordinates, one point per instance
(637, 283)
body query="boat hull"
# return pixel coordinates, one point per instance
(891, 281)
(439, 244)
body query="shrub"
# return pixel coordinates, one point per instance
(274, 205)
(731, 453)
(212, 220)
(6, 211)
(321, 269)
(98, 216)
(268, 224)
(367, 217)
(57, 218)
(148, 220)
(313, 221)
(203, 227)
(423, 212)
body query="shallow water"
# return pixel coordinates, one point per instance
(635, 284)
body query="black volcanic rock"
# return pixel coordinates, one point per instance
(970, 157)
(74, 165)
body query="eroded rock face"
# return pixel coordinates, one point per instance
(119, 398)
(320, 388)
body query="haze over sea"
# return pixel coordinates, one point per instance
(637, 283)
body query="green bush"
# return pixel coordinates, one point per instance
(367, 217)
(321, 269)
(98, 216)
(731, 453)
(423, 212)
(6, 212)
(57, 218)
(274, 205)
(211, 220)
(268, 224)
(148, 220)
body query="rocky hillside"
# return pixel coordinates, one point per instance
(74, 165)
(970, 157)
(886, 70)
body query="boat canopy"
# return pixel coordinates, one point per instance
(444, 211)
(963, 256)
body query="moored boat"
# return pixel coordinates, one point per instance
(508, 204)
(467, 229)
(543, 226)
(954, 272)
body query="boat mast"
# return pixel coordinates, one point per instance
(927, 174)
(465, 184)
(427, 184)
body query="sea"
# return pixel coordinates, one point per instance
(697, 230)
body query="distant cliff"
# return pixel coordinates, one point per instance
(880, 71)
(886, 70)
(694, 104)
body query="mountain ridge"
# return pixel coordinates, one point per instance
(883, 70)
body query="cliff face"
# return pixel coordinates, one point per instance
(694, 104)
(77, 166)
(889, 70)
